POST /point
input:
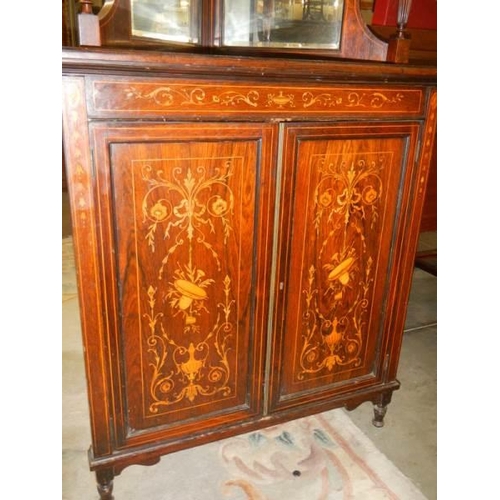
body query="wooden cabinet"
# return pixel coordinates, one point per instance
(244, 231)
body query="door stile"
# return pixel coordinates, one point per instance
(275, 283)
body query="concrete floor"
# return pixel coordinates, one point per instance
(409, 437)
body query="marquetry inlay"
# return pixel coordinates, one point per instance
(337, 288)
(186, 209)
(428, 141)
(187, 206)
(79, 156)
(177, 97)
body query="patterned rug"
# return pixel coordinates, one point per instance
(322, 457)
(319, 457)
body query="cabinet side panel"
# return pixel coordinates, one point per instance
(401, 294)
(84, 231)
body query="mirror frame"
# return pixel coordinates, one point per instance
(115, 30)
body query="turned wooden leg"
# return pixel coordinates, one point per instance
(380, 408)
(105, 484)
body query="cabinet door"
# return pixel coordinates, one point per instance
(344, 196)
(185, 212)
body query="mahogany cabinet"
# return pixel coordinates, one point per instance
(245, 231)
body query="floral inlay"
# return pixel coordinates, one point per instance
(336, 297)
(183, 209)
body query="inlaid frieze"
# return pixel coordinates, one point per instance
(159, 97)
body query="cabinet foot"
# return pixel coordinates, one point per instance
(105, 484)
(378, 419)
(380, 409)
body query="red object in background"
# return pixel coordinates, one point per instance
(423, 14)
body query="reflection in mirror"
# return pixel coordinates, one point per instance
(171, 20)
(283, 23)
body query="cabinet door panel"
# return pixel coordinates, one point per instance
(338, 231)
(189, 206)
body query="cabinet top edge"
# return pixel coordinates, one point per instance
(138, 62)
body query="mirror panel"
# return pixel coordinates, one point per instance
(307, 24)
(169, 20)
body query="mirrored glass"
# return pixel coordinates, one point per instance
(313, 24)
(170, 20)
